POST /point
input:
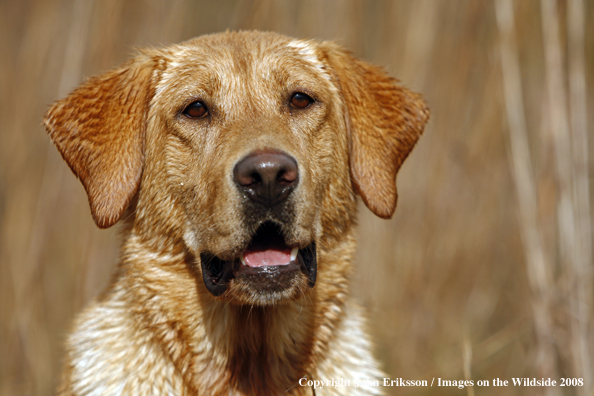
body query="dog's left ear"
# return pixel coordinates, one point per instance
(384, 120)
(99, 130)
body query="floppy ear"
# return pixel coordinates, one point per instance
(384, 120)
(99, 130)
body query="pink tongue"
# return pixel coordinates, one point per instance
(262, 258)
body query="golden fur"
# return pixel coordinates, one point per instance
(157, 330)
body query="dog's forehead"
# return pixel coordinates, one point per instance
(232, 65)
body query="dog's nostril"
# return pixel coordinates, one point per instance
(245, 179)
(287, 176)
(253, 179)
(268, 177)
(256, 178)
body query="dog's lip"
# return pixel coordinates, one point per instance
(304, 259)
(294, 263)
(217, 273)
(266, 256)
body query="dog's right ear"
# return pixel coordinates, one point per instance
(99, 130)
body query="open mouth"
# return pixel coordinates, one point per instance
(267, 264)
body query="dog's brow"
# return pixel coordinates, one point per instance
(168, 74)
(306, 51)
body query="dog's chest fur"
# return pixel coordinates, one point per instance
(209, 356)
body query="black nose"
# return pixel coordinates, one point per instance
(268, 177)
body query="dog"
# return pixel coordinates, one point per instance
(233, 162)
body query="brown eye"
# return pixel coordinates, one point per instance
(300, 100)
(196, 109)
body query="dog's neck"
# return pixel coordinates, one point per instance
(270, 348)
(260, 350)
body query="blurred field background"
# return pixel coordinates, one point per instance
(485, 270)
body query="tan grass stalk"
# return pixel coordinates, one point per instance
(537, 267)
(558, 124)
(571, 159)
(581, 299)
(467, 362)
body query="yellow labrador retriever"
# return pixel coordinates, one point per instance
(234, 161)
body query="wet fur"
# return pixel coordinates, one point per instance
(156, 330)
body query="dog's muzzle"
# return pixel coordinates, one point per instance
(267, 266)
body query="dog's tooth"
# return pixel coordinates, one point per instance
(242, 260)
(294, 252)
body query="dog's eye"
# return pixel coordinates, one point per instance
(196, 109)
(299, 100)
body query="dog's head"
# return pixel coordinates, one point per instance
(245, 149)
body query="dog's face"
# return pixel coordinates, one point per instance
(249, 154)
(245, 149)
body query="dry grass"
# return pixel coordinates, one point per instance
(486, 269)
